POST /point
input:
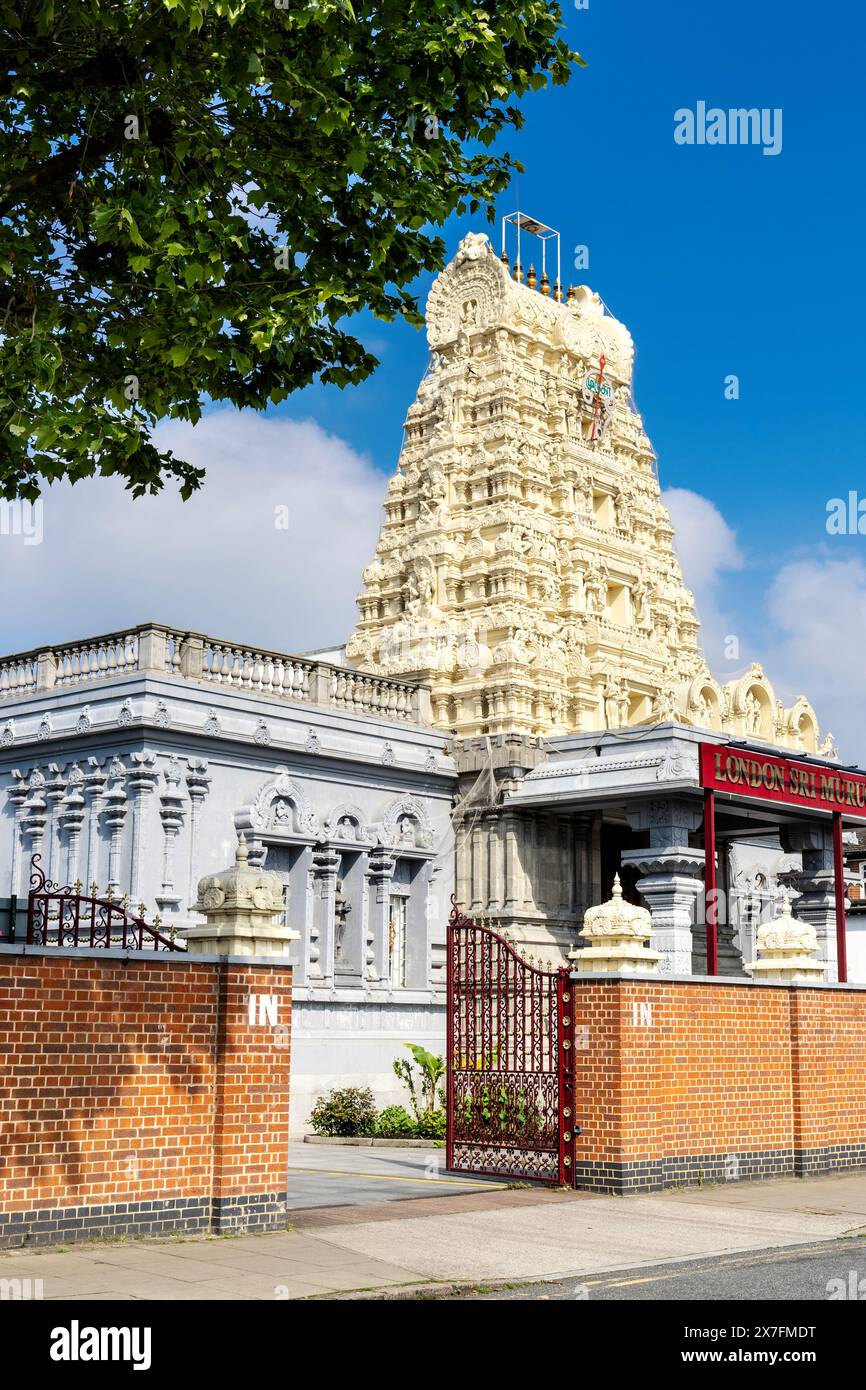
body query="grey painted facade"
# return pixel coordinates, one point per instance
(142, 778)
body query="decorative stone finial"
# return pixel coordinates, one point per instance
(243, 906)
(620, 930)
(787, 951)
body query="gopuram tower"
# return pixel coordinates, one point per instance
(526, 572)
(526, 568)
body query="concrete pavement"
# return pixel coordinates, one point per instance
(460, 1230)
(339, 1175)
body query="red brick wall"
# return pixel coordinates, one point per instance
(139, 1083)
(683, 1083)
(829, 1092)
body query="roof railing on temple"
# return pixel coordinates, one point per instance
(152, 648)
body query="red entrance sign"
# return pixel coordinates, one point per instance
(745, 773)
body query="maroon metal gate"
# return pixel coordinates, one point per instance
(510, 1080)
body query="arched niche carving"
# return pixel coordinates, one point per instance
(802, 725)
(703, 704)
(346, 823)
(280, 804)
(406, 822)
(754, 705)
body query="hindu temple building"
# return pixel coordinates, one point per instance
(526, 573)
(522, 710)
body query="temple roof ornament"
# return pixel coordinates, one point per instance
(616, 933)
(526, 568)
(787, 951)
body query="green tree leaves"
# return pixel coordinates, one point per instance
(196, 195)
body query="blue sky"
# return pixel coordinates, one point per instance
(720, 259)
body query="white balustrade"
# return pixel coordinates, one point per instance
(192, 656)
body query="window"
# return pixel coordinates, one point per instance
(397, 943)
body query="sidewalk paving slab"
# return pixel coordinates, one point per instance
(428, 1243)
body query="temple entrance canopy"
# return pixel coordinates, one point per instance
(526, 571)
(674, 802)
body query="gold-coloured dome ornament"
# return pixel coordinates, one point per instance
(787, 951)
(617, 917)
(242, 888)
(531, 279)
(544, 285)
(616, 932)
(244, 912)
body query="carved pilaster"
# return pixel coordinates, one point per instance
(55, 791)
(35, 816)
(115, 807)
(17, 794)
(197, 783)
(143, 777)
(94, 788)
(380, 871)
(171, 814)
(672, 876)
(326, 866)
(816, 884)
(73, 811)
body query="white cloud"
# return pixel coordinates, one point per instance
(810, 625)
(817, 612)
(707, 548)
(216, 564)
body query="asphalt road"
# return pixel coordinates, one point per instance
(807, 1272)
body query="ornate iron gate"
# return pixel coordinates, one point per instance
(510, 1060)
(63, 916)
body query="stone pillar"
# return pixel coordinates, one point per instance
(34, 816)
(94, 787)
(320, 683)
(243, 908)
(197, 783)
(72, 813)
(815, 883)
(191, 658)
(55, 791)
(17, 796)
(115, 815)
(143, 777)
(672, 876)
(46, 671)
(152, 649)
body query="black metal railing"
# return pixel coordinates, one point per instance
(67, 917)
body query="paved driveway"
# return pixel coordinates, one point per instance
(338, 1175)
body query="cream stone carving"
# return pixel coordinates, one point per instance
(787, 951)
(526, 568)
(244, 908)
(617, 933)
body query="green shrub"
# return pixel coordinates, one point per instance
(431, 1125)
(395, 1123)
(345, 1113)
